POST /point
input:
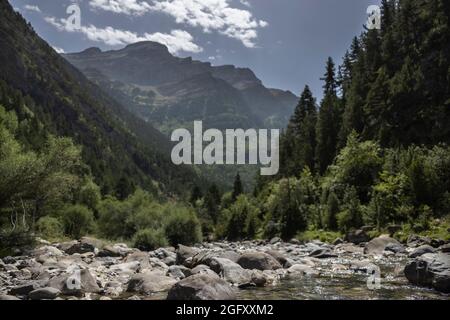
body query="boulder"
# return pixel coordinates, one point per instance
(421, 251)
(338, 241)
(179, 272)
(5, 297)
(47, 293)
(202, 287)
(184, 253)
(113, 251)
(278, 256)
(25, 289)
(75, 283)
(139, 256)
(445, 248)
(417, 241)
(275, 240)
(259, 261)
(430, 270)
(301, 269)
(395, 248)
(376, 246)
(151, 282)
(231, 271)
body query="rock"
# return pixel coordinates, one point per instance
(25, 289)
(184, 253)
(436, 243)
(203, 269)
(357, 237)
(47, 293)
(349, 248)
(376, 246)
(417, 241)
(338, 241)
(112, 251)
(179, 272)
(231, 271)
(323, 253)
(76, 283)
(259, 261)
(48, 251)
(126, 267)
(421, 251)
(445, 248)
(150, 282)
(395, 248)
(278, 256)
(142, 257)
(80, 247)
(430, 270)
(202, 287)
(301, 269)
(275, 240)
(295, 241)
(5, 297)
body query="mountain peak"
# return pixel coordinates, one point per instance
(146, 45)
(91, 51)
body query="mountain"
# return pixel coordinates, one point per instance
(43, 88)
(171, 92)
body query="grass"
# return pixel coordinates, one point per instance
(322, 235)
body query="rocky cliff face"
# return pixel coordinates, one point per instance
(169, 91)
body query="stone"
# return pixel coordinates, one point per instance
(202, 287)
(48, 251)
(203, 269)
(151, 282)
(275, 240)
(278, 256)
(323, 253)
(112, 251)
(417, 241)
(126, 267)
(231, 271)
(142, 257)
(338, 241)
(395, 248)
(377, 245)
(421, 251)
(258, 260)
(75, 283)
(25, 289)
(445, 248)
(184, 253)
(301, 269)
(430, 270)
(80, 247)
(357, 236)
(179, 272)
(47, 293)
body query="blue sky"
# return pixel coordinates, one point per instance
(285, 42)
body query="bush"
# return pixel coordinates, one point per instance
(150, 239)
(77, 221)
(90, 195)
(182, 226)
(50, 228)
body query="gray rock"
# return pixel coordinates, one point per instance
(138, 256)
(278, 256)
(202, 287)
(80, 247)
(184, 253)
(417, 241)
(47, 293)
(445, 248)
(430, 270)
(75, 284)
(338, 241)
(421, 251)
(275, 240)
(112, 251)
(150, 282)
(179, 272)
(203, 269)
(25, 289)
(301, 269)
(231, 271)
(395, 248)
(259, 261)
(376, 246)
(323, 253)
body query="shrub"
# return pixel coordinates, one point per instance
(77, 221)
(150, 239)
(182, 226)
(50, 228)
(90, 195)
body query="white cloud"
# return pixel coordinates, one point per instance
(130, 7)
(58, 49)
(210, 15)
(176, 40)
(245, 3)
(213, 15)
(30, 7)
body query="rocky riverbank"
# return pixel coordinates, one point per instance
(90, 269)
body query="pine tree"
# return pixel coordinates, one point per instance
(238, 189)
(329, 120)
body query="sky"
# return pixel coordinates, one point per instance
(285, 42)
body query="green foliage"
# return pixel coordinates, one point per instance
(322, 235)
(241, 220)
(238, 189)
(182, 226)
(90, 194)
(351, 216)
(150, 239)
(78, 221)
(50, 228)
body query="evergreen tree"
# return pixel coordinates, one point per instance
(238, 189)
